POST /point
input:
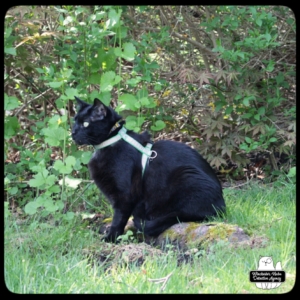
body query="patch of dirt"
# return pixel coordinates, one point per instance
(108, 254)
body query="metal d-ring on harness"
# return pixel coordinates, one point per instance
(146, 151)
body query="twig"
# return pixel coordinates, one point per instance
(27, 103)
(160, 280)
(236, 186)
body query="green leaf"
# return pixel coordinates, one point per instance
(258, 22)
(279, 78)
(69, 216)
(248, 140)
(134, 81)
(159, 125)
(70, 92)
(54, 136)
(144, 101)
(229, 110)
(54, 189)
(127, 52)
(105, 97)
(13, 190)
(137, 105)
(272, 140)
(247, 116)
(261, 111)
(94, 78)
(39, 179)
(55, 84)
(50, 206)
(86, 156)
(129, 100)
(50, 180)
(292, 172)
(257, 117)
(10, 102)
(10, 50)
(11, 127)
(108, 80)
(41, 71)
(246, 101)
(65, 167)
(270, 66)
(113, 18)
(31, 208)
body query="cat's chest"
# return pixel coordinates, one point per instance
(98, 166)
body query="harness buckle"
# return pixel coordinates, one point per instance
(152, 157)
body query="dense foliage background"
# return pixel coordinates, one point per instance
(220, 78)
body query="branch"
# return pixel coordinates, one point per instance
(27, 103)
(160, 280)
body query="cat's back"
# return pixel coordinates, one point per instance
(176, 154)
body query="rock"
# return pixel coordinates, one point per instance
(200, 235)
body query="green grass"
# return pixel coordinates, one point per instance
(43, 258)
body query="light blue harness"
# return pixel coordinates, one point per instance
(146, 151)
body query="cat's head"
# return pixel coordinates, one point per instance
(265, 262)
(93, 122)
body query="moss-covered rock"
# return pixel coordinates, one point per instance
(201, 235)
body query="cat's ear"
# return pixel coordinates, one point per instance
(80, 103)
(99, 111)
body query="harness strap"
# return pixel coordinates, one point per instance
(146, 151)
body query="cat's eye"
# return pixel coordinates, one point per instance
(86, 124)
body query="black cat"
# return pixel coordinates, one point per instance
(178, 185)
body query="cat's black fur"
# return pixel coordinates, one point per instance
(178, 185)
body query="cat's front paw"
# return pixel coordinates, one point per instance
(111, 237)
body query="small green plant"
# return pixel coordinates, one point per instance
(292, 174)
(128, 237)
